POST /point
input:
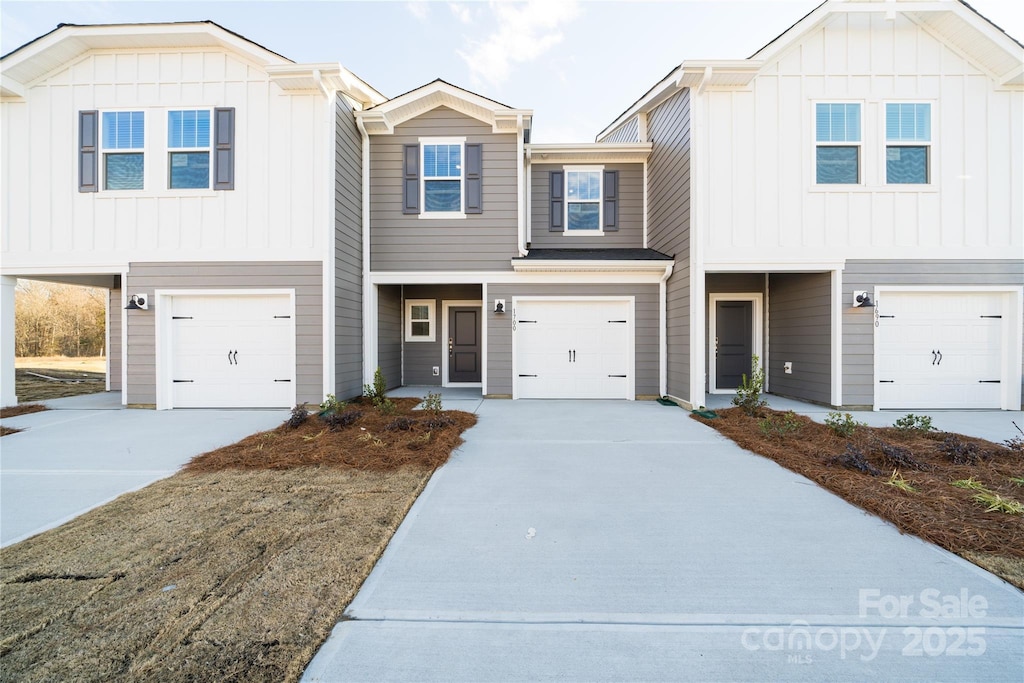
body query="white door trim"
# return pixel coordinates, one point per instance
(757, 331)
(164, 364)
(1013, 331)
(445, 305)
(630, 337)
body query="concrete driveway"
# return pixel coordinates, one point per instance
(607, 541)
(88, 450)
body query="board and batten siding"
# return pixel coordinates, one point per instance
(389, 333)
(800, 332)
(858, 323)
(419, 358)
(629, 131)
(499, 329)
(115, 308)
(760, 192)
(348, 255)
(271, 214)
(485, 241)
(630, 234)
(668, 177)
(305, 278)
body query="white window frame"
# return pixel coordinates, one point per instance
(600, 200)
(175, 150)
(886, 144)
(816, 144)
(431, 320)
(144, 150)
(461, 213)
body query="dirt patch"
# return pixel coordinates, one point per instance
(69, 364)
(41, 384)
(23, 409)
(861, 468)
(236, 569)
(4, 431)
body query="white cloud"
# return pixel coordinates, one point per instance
(461, 12)
(525, 31)
(419, 9)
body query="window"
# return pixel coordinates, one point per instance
(419, 320)
(908, 134)
(188, 142)
(838, 138)
(442, 177)
(583, 200)
(123, 131)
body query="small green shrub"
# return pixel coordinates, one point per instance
(914, 423)
(778, 426)
(898, 482)
(993, 502)
(432, 403)
(378, 390)
(748, 395)
(331, 404)
(842, 424)
(386, 406)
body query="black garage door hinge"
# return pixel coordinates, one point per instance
(282, 316)
(618, 321)
(282, 380)
(527, 375)
(623, 376)
(989, 381)
(181, 317)
(183, 381)
(886, 316)
(527, 321)
(991, 316)
(886, 381)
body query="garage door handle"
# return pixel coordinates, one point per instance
(232, 357)
(933, 357)
(940, 357)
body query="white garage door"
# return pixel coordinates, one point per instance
(940, 349)
(232, 351)
(574, 349)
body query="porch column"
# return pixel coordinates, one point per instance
(8, 397)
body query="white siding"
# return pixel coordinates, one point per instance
(279, 174)
(761, 197)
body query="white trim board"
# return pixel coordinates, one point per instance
(757, 331)
(445, 305)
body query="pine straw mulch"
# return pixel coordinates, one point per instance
(234, 570)
(22, 409)
(360, 437)
(937, 512)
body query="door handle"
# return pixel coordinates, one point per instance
(933, 356)
(940, 357)
(451, 347)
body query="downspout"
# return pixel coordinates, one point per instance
(663, 328)
(369, 291)
(329, 313)
(521, 189)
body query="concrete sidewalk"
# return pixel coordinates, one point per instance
(87, 450)
(600, 541)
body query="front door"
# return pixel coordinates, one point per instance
(464, 344)
(733, 342)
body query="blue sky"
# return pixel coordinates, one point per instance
(576, 63)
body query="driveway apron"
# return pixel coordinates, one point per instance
(624, 541)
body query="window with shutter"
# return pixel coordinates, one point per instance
(448, 178)
(88, 160)
(224, 148)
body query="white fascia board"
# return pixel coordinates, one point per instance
(334, 75)
(510, 277)
(772, 266)
(10, 87)
(28, 270)
(580, 266)
(590, 152)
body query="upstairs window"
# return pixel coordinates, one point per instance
(188, 142)
(124, 144)
(908, 135)
(442, 178)
(838, 143)
(583, 199)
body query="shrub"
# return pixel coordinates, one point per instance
(1016, 443)
(439, 421)
(959, 452)
(898, 456)
(914, 423)
(418, 442)
(432, 403)
(853, 459)
(341, 420)
(842, 424)
(331, 404)
(748, 395)
(778, 426)
(298, 416)
(377, 391)
(403, 424)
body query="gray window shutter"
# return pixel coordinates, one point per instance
(611, 201)
(224, 149)
(474, 178)
(557, 201)
(411, 179)
(88, 151)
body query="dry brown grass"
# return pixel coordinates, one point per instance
(235, 570)
(31, 387)
(937, 512)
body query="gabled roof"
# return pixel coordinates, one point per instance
(36, 59)
(383, 118)
(953, 22)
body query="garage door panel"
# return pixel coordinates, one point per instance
(939, 350)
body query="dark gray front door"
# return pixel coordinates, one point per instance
(464, 344)
(734, 342)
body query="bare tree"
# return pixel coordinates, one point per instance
(58, 320)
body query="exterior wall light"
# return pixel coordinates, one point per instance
(862, 299)
(137, 302)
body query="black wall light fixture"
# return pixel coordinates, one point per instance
(862, 299)
(137, 302)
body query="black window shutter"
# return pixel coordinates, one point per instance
(88, 147)
(611, 201)
(411, 179)
(224, 149)
(557, 201)
(474, 178)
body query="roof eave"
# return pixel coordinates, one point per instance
(590, 266)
